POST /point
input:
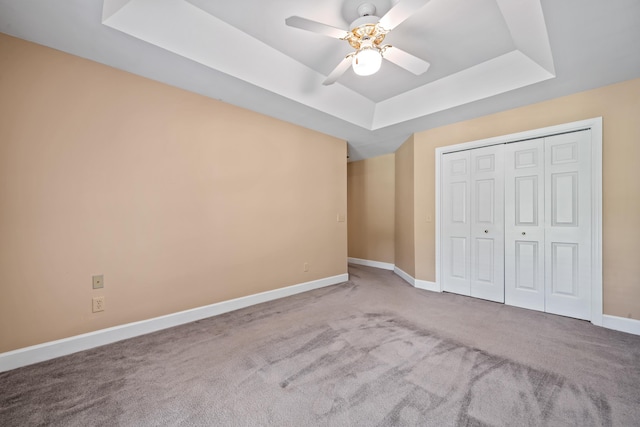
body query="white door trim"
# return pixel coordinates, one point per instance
(595, 124)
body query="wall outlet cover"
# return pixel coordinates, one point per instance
(98, 304)
(98, 281)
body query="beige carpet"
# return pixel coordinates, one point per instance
(371, 351)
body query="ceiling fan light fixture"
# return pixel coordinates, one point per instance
(367, 60)
(366, 36)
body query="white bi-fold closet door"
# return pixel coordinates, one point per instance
(548, 224)
(473, 221)
(517, 226)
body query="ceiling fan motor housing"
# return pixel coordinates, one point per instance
(366, 9)
(365, 28)
(365, 36)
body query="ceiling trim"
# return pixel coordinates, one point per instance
(507, 72)
(180, 27)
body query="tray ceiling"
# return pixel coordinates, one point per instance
(485, 55)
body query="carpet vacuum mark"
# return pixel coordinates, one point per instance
(380, 369)
(372, 352)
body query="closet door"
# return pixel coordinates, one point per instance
(456, 222)
(524, 224)
(487, 223)
(568, 224)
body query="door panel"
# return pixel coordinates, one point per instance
(459, 202)
(458, 258)
(484, 260)
(564, 199)
(526, 265)
(456, 222)
(524, 224)
(485, 206)
(487, 223)
(564, 269)
(526, 200)
(568, 224)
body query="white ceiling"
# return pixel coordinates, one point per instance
(485, 55)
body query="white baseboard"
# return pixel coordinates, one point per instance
(369, 263)
(630, 326)
(405, 276)
(416, 283)
(427, 285)
(50, 350)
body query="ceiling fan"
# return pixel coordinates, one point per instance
(366, 35)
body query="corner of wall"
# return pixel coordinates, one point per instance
(404, 207)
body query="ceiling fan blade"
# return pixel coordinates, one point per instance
(401, 11)
(338, 71)
(405, 60)
(316, 27)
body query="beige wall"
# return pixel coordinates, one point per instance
(371, 208)
(179, 200)
(619, 105)
(404, 217)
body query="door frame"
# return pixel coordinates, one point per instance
(593, 124)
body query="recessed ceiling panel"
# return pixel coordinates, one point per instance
(452, 35)
(477, 49)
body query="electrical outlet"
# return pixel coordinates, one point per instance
(306, 266)
(98, 281)
(98, 304)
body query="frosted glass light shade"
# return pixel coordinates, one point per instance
(366, 61)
